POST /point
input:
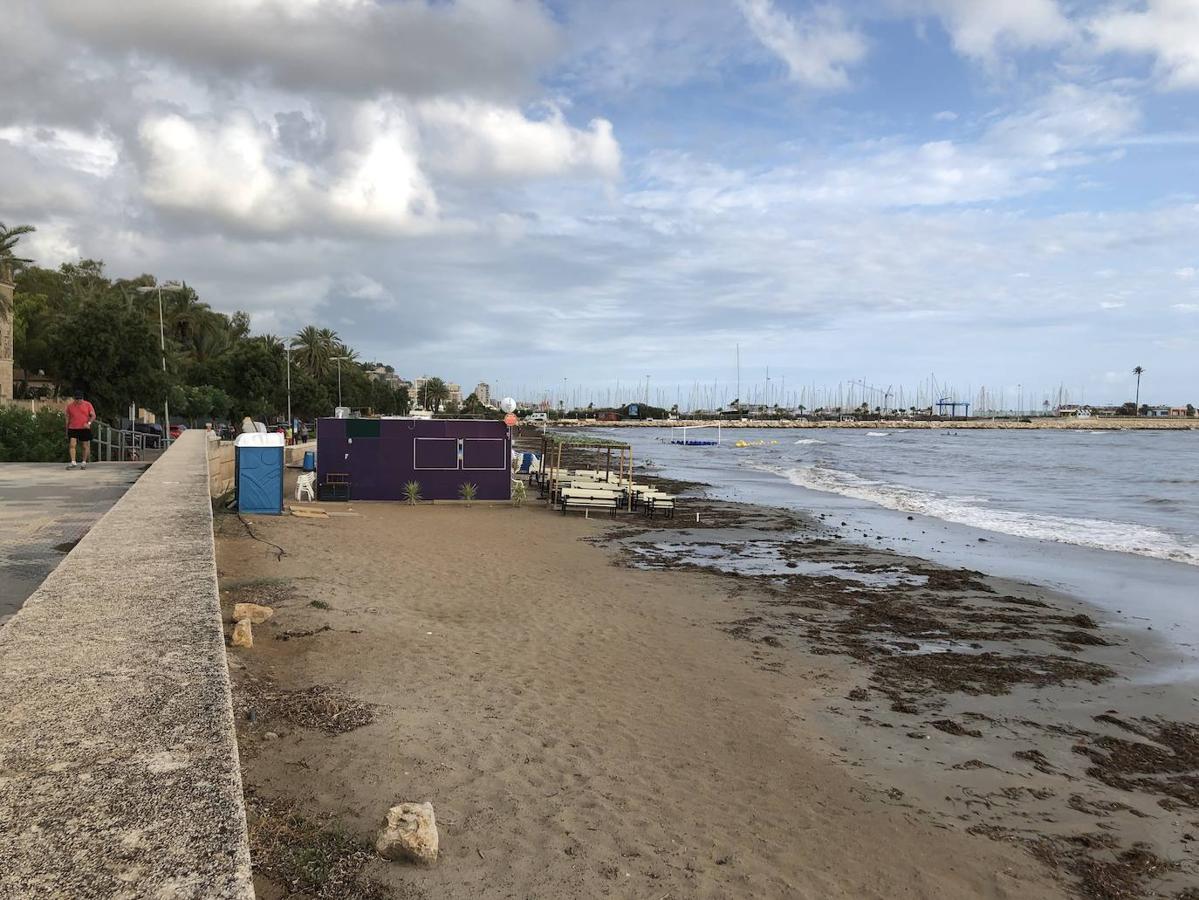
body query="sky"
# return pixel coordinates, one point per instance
(565, 196)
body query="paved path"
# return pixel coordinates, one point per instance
(44, 511)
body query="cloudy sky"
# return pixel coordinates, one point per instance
(576, 192)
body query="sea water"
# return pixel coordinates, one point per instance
(1109, 516)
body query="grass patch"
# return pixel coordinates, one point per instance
(307, 857)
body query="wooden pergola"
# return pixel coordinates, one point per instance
(552, 444)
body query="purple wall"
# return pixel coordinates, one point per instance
(381, 455)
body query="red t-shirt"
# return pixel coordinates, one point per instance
(80, 414)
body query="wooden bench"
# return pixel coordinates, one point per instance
(580, 498)
(655, 500)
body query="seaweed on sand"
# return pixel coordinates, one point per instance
(978, 673)
(318, 707)
(1164, 761)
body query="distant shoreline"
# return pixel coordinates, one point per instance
(1114, 424)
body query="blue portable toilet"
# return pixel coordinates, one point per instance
(259, 465)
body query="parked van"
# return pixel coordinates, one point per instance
(537, 418)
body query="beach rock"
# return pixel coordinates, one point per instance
(252, 611)
(243, 635)
(410, 834)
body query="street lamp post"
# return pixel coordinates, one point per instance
(162, 340)
(287, 347)
(339, 359)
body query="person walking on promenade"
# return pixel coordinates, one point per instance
(80, 415)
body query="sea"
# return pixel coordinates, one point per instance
(1111, 517)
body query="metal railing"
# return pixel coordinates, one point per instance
(119, 445)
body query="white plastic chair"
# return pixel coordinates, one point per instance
(306, 485)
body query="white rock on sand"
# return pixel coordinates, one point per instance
(243, 635)
(252, 611)
(410, 834)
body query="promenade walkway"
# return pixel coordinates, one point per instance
(44, 511)
(119, 773)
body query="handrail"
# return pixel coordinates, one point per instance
(118, 444)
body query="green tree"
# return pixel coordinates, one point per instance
(313, 349)
(434, 394)
(108, 351)
(10, 237)
(255, 379)
(1138, 371)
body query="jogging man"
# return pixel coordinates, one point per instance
(80, 415)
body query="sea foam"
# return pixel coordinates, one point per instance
(1120, 537)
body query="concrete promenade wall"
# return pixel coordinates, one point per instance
(119, 773)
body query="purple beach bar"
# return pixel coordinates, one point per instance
(377, 457)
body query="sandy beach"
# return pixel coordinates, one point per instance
(594, 709)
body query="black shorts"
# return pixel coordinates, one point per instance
(83, 435)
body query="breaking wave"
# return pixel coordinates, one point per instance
(1120, 537)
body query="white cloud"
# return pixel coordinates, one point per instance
(945, 115)
(1187, 307)
(1111, 304)
(418, 47)
(1019, 154)
(1168, 30)
(1186, 273)
(1068, 118)
(52, 243)
(980, 28)
(478, 139)
(818, 48)
(93, 154)
(233, 170)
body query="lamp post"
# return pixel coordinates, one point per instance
(287, 347)
(339, 359)
(162, 340)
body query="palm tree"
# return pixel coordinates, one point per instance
(314, 346)
(8, 240)
(1138, 371)
(434, 394)
(9, 237)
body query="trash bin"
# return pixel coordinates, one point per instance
(259, 473)
(309, 461)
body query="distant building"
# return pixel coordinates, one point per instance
(385, 374)
(1074, 411)
(1159, 412)
(455, 393)
(1178, 411)
(418, 387)
(483, 392)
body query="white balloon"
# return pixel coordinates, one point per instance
(508, 405)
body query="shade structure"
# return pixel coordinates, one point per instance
(379, 456)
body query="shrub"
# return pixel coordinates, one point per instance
(412, 493)
(29, 437)
(519, 493)
(468, 492)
